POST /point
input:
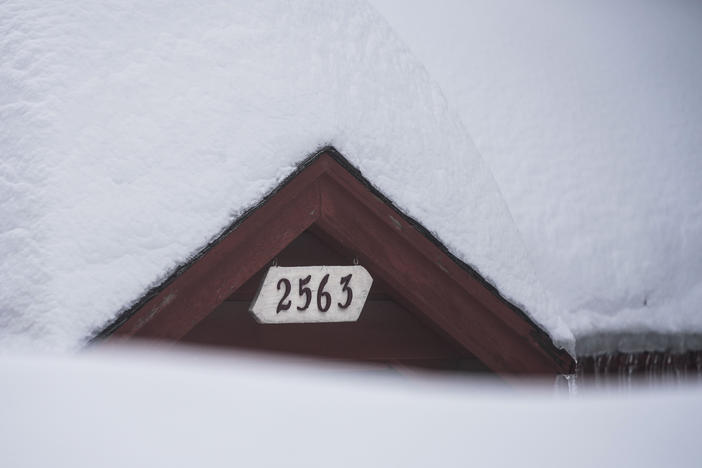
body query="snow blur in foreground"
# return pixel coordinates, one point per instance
(126, 407)
(589, 114)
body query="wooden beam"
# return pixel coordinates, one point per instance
(231, 261)
(441, 290)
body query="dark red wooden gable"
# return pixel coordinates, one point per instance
(425, 307)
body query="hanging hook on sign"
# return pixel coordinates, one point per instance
(274, 262)
(355, 260)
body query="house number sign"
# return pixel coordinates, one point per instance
(312, 294)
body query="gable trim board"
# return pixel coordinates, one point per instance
(327, 192)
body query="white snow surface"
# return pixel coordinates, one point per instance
(589, 114)
(134, 132)
(176, 409)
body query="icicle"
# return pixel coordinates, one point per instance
(668, 368)
(572, 384)
(580, 366)
(653, 368)
(628, 369)
(566, 381)
(639, 364)
(680, 368)
(597, 367)
(559, 383)
(623, 371)
(609, 375)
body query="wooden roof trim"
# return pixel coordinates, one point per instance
(226, 263)
(498, 333)
(328, 193)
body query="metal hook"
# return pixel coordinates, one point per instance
(355, 260)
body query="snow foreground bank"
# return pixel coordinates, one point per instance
(134, 132)
(187, 409)
(590, 116)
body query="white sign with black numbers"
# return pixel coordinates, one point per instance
(312, 294)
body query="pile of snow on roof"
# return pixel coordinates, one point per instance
(134, 132)
(589, 115)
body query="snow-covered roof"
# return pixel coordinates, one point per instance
(133, 133)
(589, 115)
